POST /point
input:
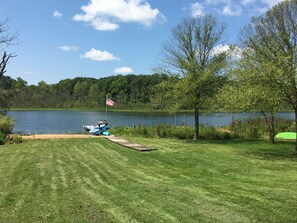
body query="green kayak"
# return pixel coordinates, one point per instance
(286, 135)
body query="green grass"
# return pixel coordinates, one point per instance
(95, 180)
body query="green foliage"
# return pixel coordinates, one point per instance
(174, 132)
(249, 129)
(191, 51)
(14, 139)
(285, 126)
(129, 92)
(6, 125)
(2, 138)
(256, 128)
(6, 93)
(212, 133)
(270, 41)
(160, 131)
(165, 95)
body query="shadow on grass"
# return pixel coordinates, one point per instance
(277, 151)
(261, 149)
(225, 141)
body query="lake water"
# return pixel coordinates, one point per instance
(55, 122)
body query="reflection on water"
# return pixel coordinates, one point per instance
(54, 122)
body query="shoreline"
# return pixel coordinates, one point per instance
(59, 136)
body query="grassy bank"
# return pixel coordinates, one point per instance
(94, 180)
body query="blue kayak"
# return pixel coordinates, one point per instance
(100, 129)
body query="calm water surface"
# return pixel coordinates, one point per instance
(54, 122)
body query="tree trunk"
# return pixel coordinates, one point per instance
(270, 124)
(272, 129)
(196, 131)
(4, 62)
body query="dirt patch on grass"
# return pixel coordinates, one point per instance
(58, 136)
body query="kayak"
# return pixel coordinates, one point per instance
(96, 130)
(99, 129)
(286, 135)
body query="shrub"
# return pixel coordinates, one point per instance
(142, 130)
(209, 133)
(176, 132)
(6, 126)
(250, 129)
(257, 128)
(14, 139)
(284, 125)
(2, 138)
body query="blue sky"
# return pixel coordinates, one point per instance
(61, 39)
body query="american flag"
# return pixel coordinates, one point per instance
(109, 102)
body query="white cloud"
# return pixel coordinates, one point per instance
(271, 3)
(267, 4)
(197, 9)
(222, 48)
(106, 15)
(68, 48)
(233, 10)
(235, 52)
(103, 24)
(57, 14)
(246, 2)
(215, 1)
(123, 70)
(232, 7)
(98, 55)
(225, 7)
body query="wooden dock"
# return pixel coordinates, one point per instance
(126, 143)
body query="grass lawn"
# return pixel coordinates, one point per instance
(95, 180)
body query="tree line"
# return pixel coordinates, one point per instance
(128, 92)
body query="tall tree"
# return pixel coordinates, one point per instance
(191, 52)
(248, 91)
(273, 39)
(6, 39)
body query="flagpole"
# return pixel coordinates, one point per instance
(105, 107)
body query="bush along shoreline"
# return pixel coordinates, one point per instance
(175, 132)
(247, 129)
(6, 127)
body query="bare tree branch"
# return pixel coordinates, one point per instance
(6, 38)
(4, 61)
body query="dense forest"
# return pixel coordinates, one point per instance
(128, 92)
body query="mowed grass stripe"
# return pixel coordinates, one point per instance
(248, 171)
(94, 180)
(144, 177)
(112, 169)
